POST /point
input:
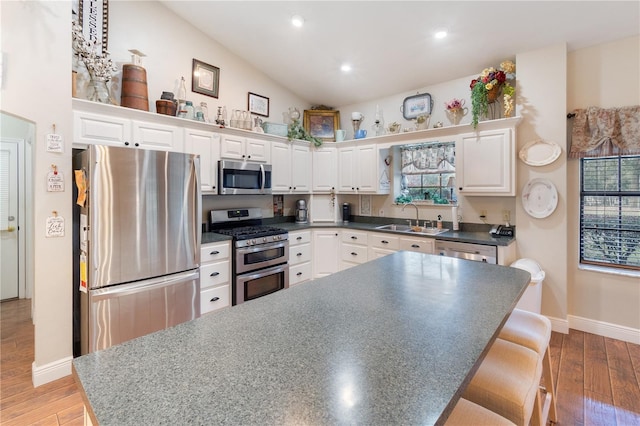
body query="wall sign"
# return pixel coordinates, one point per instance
(55, 180)
(54, 226)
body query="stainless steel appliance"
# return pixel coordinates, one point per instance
(243, 178)
(477, 252)
(302, 214)
(261, 253)
(137, 229)
(346, 212)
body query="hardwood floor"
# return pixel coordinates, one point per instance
(597, 378)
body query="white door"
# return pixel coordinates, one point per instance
(8, 220)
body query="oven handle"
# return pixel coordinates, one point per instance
(263, 247)
(263, 178)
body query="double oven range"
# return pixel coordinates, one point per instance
(260, 253)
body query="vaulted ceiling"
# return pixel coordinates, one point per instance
(390, 45)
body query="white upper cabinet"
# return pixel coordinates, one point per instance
(486, 163)
(100, 129)
(291, 162)
(207, 146)
(358, 169)
(325, 169)
(241, 148)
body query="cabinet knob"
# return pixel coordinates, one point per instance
(336, 234)
(415, 246)
(243, 156)
(215, 299)
(299, 273)
(214, 274)
(354, 253)
(126, 143)
(352, 188)
(299, 254)
(213, 253)
(289, 187)
(299, 238)
(384, 242)
(353, 237)
(248, 156)
(295, 187)
(136, 144)
(460, 189)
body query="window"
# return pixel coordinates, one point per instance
(428, 173)
(610, 211)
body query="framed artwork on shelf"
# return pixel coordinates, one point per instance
(416, 105)
(322, 124)
(205, 79)
(258, 105)
(93, 17)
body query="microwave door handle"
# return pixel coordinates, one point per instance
(263, 178)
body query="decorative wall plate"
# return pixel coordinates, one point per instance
(539, 198)
(540, 152)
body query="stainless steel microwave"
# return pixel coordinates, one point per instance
(243, 177)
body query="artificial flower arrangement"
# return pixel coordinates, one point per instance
(100, 67)
(486, 88)
(454, 104)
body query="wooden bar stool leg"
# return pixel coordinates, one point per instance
(536, 415)
(549, 386)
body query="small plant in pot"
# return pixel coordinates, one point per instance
(486, 88)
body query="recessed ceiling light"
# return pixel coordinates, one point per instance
(297, 21)
(345, 68)
(440, 34)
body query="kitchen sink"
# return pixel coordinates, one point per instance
(412, 229)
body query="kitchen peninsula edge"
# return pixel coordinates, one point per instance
(358, 346)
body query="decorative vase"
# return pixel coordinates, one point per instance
(455, 115)
(99, 92)
(493, 94)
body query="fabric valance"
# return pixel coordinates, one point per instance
(428, 158)
(600, 132)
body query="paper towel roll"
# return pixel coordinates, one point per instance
(454, 215)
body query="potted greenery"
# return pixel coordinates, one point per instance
(486, 88)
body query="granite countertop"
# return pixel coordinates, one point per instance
(391, 341)
(476, 233)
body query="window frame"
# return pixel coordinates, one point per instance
(618, 227)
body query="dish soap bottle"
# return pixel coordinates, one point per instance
(439, 223)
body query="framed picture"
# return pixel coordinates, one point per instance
(416, 105)
(93, 17)
(322, 124)
(258, 105)
(205, 79)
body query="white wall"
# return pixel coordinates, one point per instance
(541, 101)
(607, 75)
(37, 82)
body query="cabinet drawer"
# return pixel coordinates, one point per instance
(299, 273)
(299, 237)
(213, 252)
(376, 252)
(385, 241)
(214, 298)
(422, 245)
(299, 254)
(354, 237)
(214, 274)
(353, 253)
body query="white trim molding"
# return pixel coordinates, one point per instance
(559, 325)
(606, 329)
(50, 372)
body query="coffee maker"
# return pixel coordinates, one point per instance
(302, 214)
(346, 212)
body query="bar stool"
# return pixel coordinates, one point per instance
(467, 413)
(533, 331)
(507, 383)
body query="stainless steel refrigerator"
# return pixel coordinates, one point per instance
(137, 244)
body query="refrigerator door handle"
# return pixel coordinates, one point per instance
(142, 286)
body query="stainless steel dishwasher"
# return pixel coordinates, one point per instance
(477, 252)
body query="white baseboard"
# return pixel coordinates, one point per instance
(559, 325)
(50, 372)
(619, 332)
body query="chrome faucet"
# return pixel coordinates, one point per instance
(412, 204)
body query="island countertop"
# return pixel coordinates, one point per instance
(391, 341)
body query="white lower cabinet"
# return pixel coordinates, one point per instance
(215, 276)
(300, 267)
(381, 244)
(353, 248)
(421, 245)
(326, 252)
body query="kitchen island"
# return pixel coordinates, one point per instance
(392, 341)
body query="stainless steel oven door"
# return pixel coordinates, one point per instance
(261, 256)
(260, 283)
